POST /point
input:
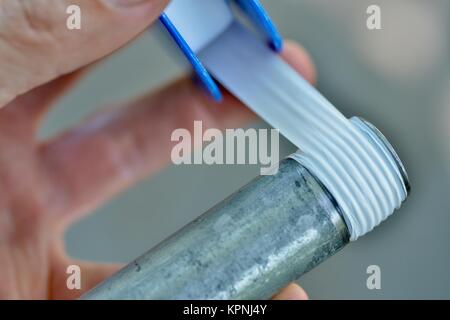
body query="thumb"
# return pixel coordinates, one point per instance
(36, 45)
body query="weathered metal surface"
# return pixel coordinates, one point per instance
(249, 246)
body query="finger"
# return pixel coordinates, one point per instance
(116, 148)
(291, 292)
(36, 46)
(300, 60)
(40, 99)
(35, 103)
(91, 275)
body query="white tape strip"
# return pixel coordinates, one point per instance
(361, 179)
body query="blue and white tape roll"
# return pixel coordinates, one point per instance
(359, 175)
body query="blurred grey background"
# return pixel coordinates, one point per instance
(397, 77)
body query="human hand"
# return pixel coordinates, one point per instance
(47, 185)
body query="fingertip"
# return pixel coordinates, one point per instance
(296, 56)
(292, 292)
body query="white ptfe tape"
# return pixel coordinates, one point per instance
(200, 21)
(360, 177)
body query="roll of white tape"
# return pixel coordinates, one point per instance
(200, 21)
(360, 177)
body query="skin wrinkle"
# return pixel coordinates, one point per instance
(123, 150)
(132, 145)
(38, 48)
(36, 23)
(18, 37)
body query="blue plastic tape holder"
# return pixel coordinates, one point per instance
(254, 10)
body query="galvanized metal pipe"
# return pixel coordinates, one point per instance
(252, 244)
